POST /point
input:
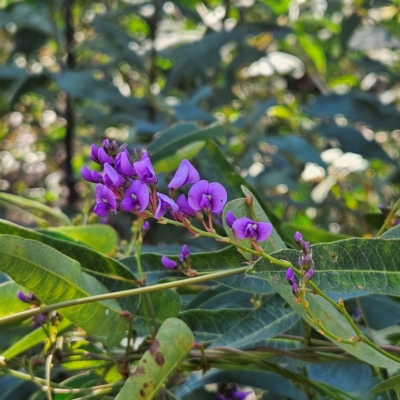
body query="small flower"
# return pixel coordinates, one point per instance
(308, 275)
(208, 197)
(184, 207)
(122, 164)
(145, 171)
(136, 197)
(291, 276)
(186, 173)
(106, 201)
(168, 263)
(26, 298)
(112, 178)
(245, 228)
(295, 289)
(230, 218)
(91, 176)
(165, 204)
(145, 227)
(39, 320)
(305, 261)
(298, 238)
(185, 256)
(104, 157)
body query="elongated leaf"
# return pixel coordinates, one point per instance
(53, 277)
(393, 233)
(345, 266)
(92, 262)
(180, 135)
(101, 238)
(173, 341)
(35, 205)
(388, 384)
(241, 328)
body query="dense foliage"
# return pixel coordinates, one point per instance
(243, 243)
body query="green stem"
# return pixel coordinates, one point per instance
(391, 215)
(123, 293)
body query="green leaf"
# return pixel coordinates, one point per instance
(173, 341)
(344, 266)
(99, 237)
(180, 135)
(53, 277)
(388, 384)
(35, 205)
(32, 339)
(241, 328)
(314, 50)
(159, 306)
(9, 302)
(107, 270)
(393, 233)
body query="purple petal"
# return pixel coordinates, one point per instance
(219, 196)
(289, 274)
(136, 197)
(230, 218)
(186, 173)
(184, 207)
(145, 171)
(195, 194)
(26, 298)
(94, 153)
(105, 196)
(102, 209)
(90, 175)
(104, 157)
(264, 230)
(111, 177)
(240, 227)
(122, 164)
(165, 203)
(146, 226)
(168, 263)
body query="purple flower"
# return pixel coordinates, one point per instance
(112, 178)
(104, 157)
(291, 276)
(26, 298)
(185, 256)
(39, 320)
(230, 218)
(308, 275)
(145, 171)
(209, 197)
(122, 164)
(136, 197)
(91, 176)
(94, 153)
(245, 228)
(106, 201)
(165, 203)
(230, 392)
(145, 227)
(168, 263)
(184, 207)
(186, 173)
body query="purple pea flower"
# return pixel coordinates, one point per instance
(39, 320)
(184, 207)
(91, 176)
(136, 197)
(122, 164)
(291, 277)
(104, 157)
(106, 201)
(94, 153)
(208, 197)
(145, 171)
(112, 178)
(185, 256)
(230, 392)
(245, 228)
(165, 203)
(186, 173)
(230, 218)
(168, 263)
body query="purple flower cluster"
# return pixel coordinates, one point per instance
(130, 183)
(30, 298)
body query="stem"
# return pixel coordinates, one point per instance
(388, 219)
(123, 293)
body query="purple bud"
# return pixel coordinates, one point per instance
(299, 239)
(145, 171)
(26, 298)
(186, 173)
(145, 227)
(94, 153)
(185, 256)
(290, 274)
(307, 248)
(165, 204)
(110, 146)
(168, 263)
(39, 320)
(308, 275)
(230, 218)
(91, 176)
(295, 289)
(122, 164)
